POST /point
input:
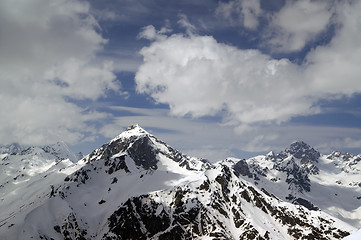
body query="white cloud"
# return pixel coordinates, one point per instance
(43, 119)
(47, 55)
(197, 76)
(120, 10)
(344, 142)
(105, 14)
(335, 68)
(324, 138)
(149, 32)
(184, 22)
(82, 80)
(287, 30)
(243, 12)
(297, 23)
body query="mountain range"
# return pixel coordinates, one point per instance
(138, 187)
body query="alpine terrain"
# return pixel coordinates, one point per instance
(138, 187)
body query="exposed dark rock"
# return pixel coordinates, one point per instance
(307, 204)
(241, 168)
(204, 185)
(297, 177)
(70, 229)
(143, 153)
(115, 164)
(115, 180)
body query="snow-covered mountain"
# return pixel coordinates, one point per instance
(302, 175)
(138, 187)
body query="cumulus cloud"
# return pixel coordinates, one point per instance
(47, 58)
(149, 32)
(298, 23)
(243, 12)
(334, 68)
(198, 76)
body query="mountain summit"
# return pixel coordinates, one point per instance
(138, 187)
(303, 151)
(147, 152)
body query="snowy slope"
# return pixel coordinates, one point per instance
(303, 176)
(27, 176)
(354, 236)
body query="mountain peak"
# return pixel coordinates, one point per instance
(299, 144)
(271, 155)
(303, 151)
(145, 150)
(132, 131)
(134, 126)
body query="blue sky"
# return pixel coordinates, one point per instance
(211, 78)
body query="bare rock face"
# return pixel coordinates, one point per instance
(143, 152)
(241, 168)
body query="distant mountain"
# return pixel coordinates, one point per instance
(138, 187)
(12, 149)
